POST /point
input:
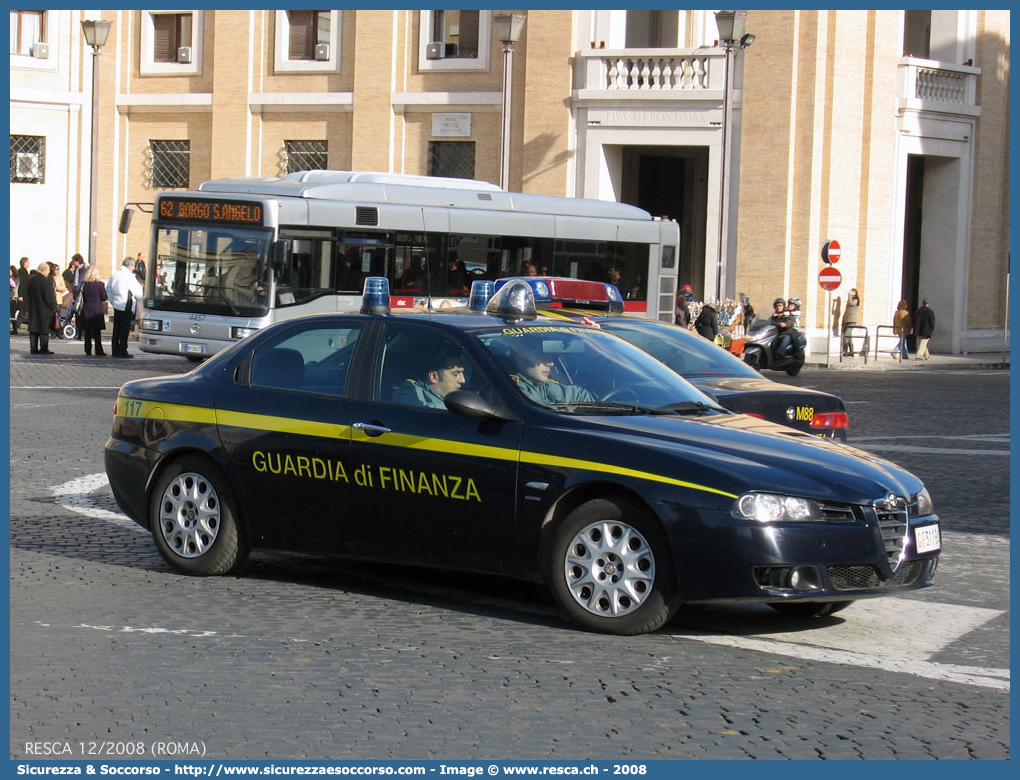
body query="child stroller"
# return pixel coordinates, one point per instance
(66, 327)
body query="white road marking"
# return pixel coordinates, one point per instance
(872, 635)
(75, 496)
(997, 679)
(929, 450)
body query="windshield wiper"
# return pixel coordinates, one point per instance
(687, 407)
(223, 295)
(612, 407)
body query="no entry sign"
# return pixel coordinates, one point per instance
(831, 251)
(829, 278)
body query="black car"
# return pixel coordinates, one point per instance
(506, 443)
(709, 367)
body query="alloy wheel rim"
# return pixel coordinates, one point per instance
(189, 515)
(609, 568)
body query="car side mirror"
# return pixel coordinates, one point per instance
(468, 404)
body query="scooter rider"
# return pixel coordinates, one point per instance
(785, 327)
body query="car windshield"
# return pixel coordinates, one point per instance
(582, 370)
(690, 355)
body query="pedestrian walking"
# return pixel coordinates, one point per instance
(23, 275)
(924, 327)
(92, 317)
(850, 317)
(681, 316)
(42, 309)
(707, 323)
(902, 328)
(122, 290)
(14, 300)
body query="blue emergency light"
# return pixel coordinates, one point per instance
(514, 300)
(481, 291)
(376, 297)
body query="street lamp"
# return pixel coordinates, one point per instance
(96, 32)
(731, 26)
(508, 29)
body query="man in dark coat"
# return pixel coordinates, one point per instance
(924, 326)
(42, 308)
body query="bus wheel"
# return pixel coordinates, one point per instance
(194, 520)
(610, 569)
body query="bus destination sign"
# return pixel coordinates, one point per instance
(203, 210)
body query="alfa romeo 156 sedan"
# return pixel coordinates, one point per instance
(500, 441)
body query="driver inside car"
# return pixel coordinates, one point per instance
(534, 381)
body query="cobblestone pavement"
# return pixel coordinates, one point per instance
(314, 657)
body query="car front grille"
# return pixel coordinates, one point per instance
(868, 577)
(893, 525)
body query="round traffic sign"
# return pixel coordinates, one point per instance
(829, 278)
(831, 251)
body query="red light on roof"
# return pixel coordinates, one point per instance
(577, 290)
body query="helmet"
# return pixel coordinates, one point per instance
(795, 302)
(778, 301)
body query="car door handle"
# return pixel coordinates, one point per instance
(371, 429)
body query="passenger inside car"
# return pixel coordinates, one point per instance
(443, 374)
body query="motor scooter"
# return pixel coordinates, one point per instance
(760, 349)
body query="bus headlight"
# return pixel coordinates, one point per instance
(772, 508)
(152, 325)
(237, 332)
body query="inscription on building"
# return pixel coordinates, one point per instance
(451, 125)
(654, 118)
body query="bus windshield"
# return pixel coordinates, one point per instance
(210, 271)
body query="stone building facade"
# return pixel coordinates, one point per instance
(886, 130)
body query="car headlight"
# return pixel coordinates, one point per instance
(773, 508)
(924, 505)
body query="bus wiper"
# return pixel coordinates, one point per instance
(687, 407)
(223, 295)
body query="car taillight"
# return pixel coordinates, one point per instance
(829, 420)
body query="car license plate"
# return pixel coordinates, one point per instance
(193, 349)
(927, 538)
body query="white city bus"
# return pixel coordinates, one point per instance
(241, 253)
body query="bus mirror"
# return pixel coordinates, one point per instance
(125, 220)
(281, 255)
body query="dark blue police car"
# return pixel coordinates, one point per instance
(496, 441)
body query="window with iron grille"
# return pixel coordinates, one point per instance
(28, 159)
(306, 155)
(453, 159)
(27, 29)
(169, 33)
(307, 30)
(169, 164)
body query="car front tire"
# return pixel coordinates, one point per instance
(610, 569)
(194, 521)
